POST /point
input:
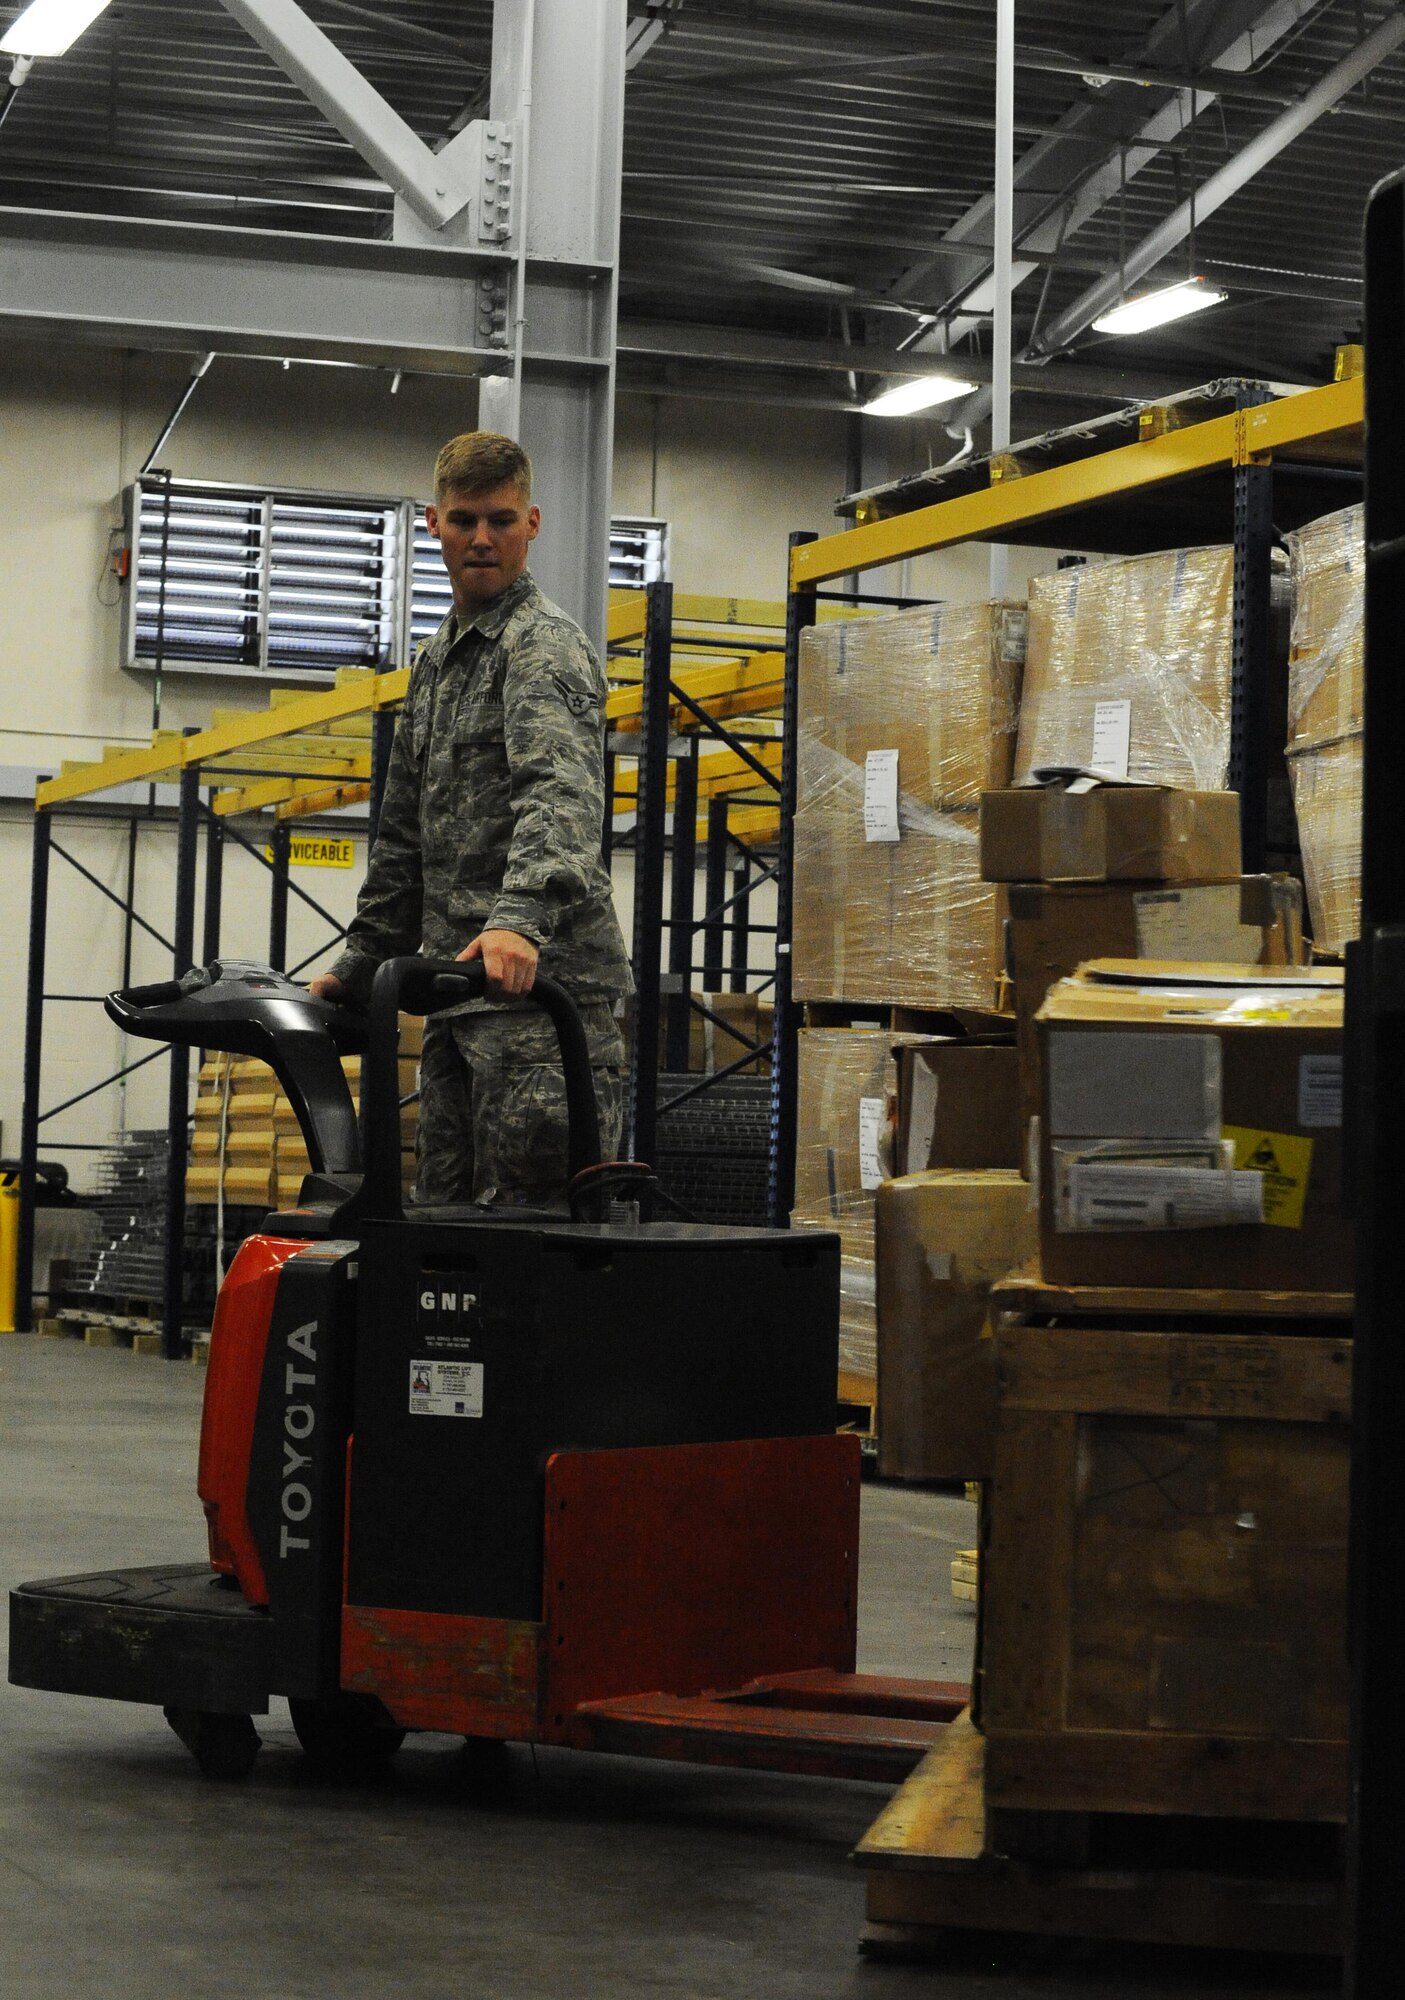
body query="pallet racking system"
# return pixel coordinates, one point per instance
(313, 754)
(1246, 476)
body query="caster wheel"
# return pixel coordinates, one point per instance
(224, 1746)
(345, 1736)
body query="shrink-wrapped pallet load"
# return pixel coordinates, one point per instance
(846, 1079)
(903, 723)
(1128, 670)
(1326, 684)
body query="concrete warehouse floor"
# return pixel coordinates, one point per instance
(126, 1876)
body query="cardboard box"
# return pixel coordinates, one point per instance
(1109, 833)
(1128, 670)
(1326, 693)
(1326, 660)
(844, 1092)
(942, 1240)
(843, 1151)
(1326, 782)
(1053, 929)
(1190, 1129)
(903, 722)
(958, 1103)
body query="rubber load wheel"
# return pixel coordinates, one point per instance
(224, 1746)
(345, 1736)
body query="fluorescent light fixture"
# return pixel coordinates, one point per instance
(1191, 295)
(48, 27)
(924, 392)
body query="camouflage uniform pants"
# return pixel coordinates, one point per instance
(492, 1122)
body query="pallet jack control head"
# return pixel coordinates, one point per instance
(243, 1008)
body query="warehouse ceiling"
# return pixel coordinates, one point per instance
(806, 189)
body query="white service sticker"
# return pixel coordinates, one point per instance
(1319, 1092)
(446, 1388)
(880, 796)
(1112, 738)
(873, 1120)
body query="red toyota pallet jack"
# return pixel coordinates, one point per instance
(507, 1474)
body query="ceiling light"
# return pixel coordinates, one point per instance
(922, 393)
(1191, 295)
(48, 27)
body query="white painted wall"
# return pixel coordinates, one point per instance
(76, 423)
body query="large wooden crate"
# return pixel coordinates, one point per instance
(1164, 1556)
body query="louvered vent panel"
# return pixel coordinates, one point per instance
(197, 576)
(332, 585)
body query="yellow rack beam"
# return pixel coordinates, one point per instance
(1313, 416)
(236, 732)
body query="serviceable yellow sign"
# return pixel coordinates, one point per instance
(309, 852)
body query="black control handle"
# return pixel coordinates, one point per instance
(241, 1007)
(428, 986)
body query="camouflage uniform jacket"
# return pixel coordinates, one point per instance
(494, 801)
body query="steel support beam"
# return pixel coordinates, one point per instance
(558, 81)
(178, 1102)
(651, 805)
(214, 886)
(678, 1014)
(780, 1176)
(715, 893)
(278, 897)
(33, 1067)
(435, 186)
(201, 287)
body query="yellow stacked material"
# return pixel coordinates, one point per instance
(845, 1096)
(1128, 670)
(903, 723)
(1326, 687)
(241, 1113)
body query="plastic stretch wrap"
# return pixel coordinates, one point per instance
(1326, 685)
(1152, 632)
(846, 1085)
(888, 900)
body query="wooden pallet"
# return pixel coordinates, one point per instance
(1027, 1296)
(98, 1328)
(934, 1867)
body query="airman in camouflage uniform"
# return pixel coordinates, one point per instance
(489, 845)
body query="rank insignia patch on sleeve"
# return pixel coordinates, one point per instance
(578, 700)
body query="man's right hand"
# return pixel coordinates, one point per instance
(327, 987)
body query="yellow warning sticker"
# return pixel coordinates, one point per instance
(309, 852)
(1285, 1161)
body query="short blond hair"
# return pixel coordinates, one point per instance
(476, 461)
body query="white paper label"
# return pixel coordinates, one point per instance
(1112, 738)
(939, 1266)
(1105, 1196)
(873, 1117)
(1319, 1092)
(1198, 923)
(880, 796)
(446, 1388)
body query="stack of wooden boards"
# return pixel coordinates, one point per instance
(246, 1138)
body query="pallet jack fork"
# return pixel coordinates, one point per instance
(509, 1474)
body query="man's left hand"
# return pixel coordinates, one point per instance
(509, 960)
